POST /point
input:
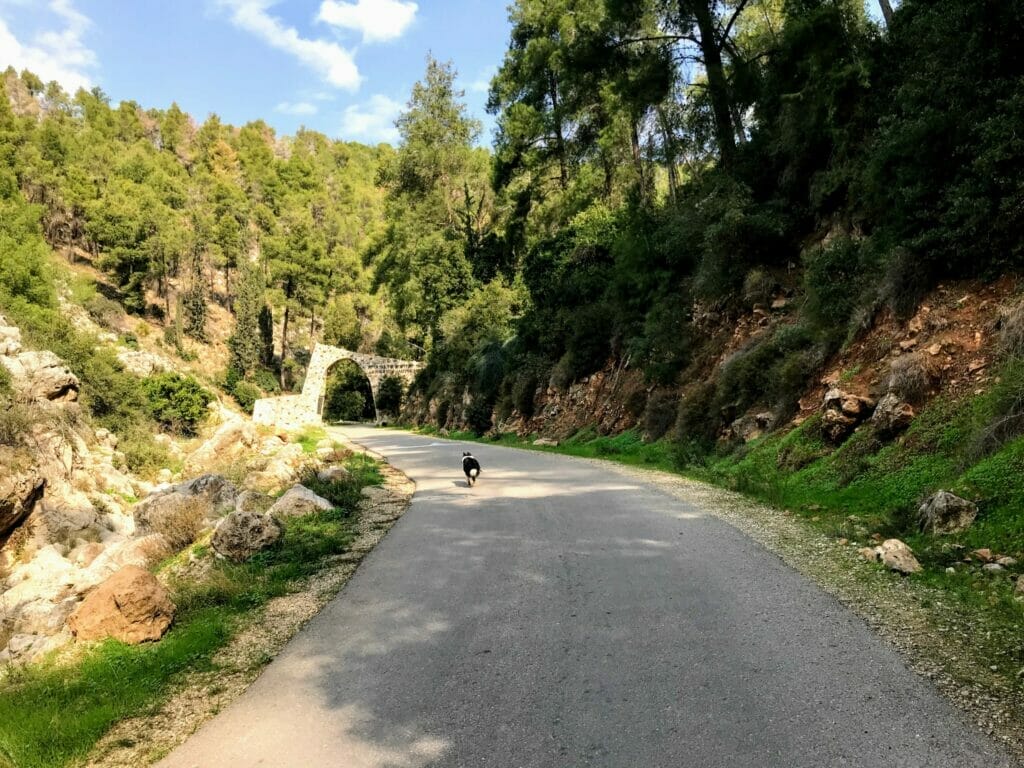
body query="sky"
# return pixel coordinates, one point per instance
(343, 67)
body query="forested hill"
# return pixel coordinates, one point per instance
(660, 171)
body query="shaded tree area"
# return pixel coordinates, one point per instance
(347, 394)
(660, 160)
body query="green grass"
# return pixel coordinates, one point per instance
(51, 715)
(309, 437)
(625, 448)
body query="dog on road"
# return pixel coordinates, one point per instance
(471, 467)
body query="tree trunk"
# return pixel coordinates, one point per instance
(886, 11)
(670, 154)
(718, 85)
(638, 158)
(559, 135)
(284, 340)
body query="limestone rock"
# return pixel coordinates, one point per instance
(546, 441)
(897, 556)
(253, 501)
(892, 415)
(41, 375)
(229, 441)
(181, 511)
(843, 413)
(10, 338)
(242, 534)
(945, 512)
(299, 501)
(333, 474)
(130, 606)
(142, 363)
(19, 493)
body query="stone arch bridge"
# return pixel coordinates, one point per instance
(291, 411)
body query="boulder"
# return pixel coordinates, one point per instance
(41, 375)
(10, 339)
(333, 474)
(242, 534)
(130, 606)
(546, 442)
(142, 363)
(142, 552)
(892, 415)
(253, 501)
(228, 442)
(945, 513)
(843, 413)
(181, 511)
(19, 493)
(897, 556)
(299, 501)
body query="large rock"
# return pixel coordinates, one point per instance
(41, 375)
(181, 511)
(241, 535)
(253, 501)
(281, 471)
(892, 415)
(333, 474)
(228, 442)
(897, 556)
(299, 501)
(10, 338)
(843, 413)
(19, 493)
(130, 606)
(945, 512)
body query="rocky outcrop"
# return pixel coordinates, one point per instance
(10, 338)
(243, 534)
(253, 501)
(299, 501)
(843, 413)
(181, 511)
(230, 441)
(130, 606)
(41, 375)
(752, 426)
(19, 493)
(892, 415)
(281, 470)
(945, 513)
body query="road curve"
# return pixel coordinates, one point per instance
(561, 614)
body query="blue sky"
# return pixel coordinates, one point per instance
(344, 67)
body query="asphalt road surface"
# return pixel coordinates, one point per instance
(560, 614)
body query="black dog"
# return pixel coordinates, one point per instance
(471, 467)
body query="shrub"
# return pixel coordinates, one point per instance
(910, 377)
(142, 454)
(246, 394)
(479, 416)
(389, 395)
(267, 381)
(660, 414)
(177, 402)
(1011, 332)
(758, 288)
(524, 391)
(833, 279)
(104, 311)
(698, 421)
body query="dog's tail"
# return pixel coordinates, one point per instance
(474, 472)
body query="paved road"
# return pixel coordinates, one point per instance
(562, 615)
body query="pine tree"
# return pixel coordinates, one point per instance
(246, 343)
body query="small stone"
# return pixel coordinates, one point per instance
(950, 569)
(1006, 561)
(992, 567)
(908, 344)
(868, 553)
(897, 556)
(935, 349)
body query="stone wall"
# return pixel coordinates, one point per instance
(294, 411)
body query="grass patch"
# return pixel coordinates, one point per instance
(51, 715)
(309, 437)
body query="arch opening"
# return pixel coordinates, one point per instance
(347, 394)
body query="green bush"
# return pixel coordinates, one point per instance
(177, 402)
(246, 394)
(479, 416)
(389, 396)
(660, 414)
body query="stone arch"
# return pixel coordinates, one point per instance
(299, 410)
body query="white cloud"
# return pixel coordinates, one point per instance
(483, 82)
(373, 120)
(334, 64)
(296, 108)
(59, 54)
(377, 20)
